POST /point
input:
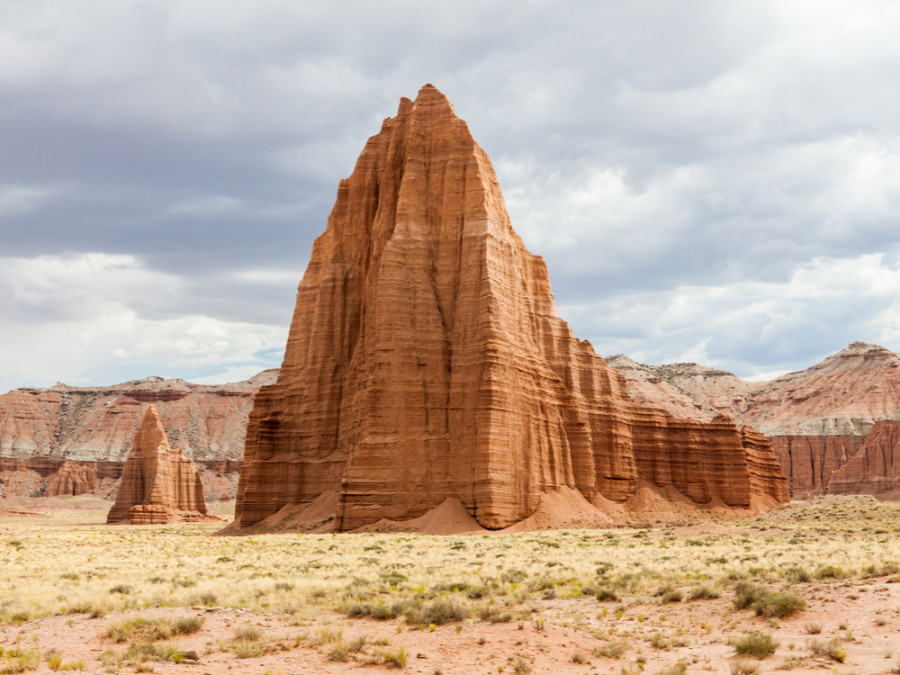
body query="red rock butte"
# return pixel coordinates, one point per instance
(159, 484)
(426, 362)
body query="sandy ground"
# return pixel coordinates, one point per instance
(568, 637)
(563, 635)
(864, 616)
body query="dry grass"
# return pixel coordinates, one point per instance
(438, 579)
(615, 585)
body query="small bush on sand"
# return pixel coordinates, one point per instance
(759, 645)
(779, 605)
(832, 649)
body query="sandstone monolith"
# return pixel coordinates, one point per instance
(426, 362)
(159, 484)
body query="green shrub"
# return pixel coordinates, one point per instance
(672, 596)
(606, 595)
(444, 611)
(249, 649)
(247, 633)
(340, 652)
(795, 575)
(703, 593)
(759, 645)
(830, 572)
(746, 594)
(779, 605)
(614, 649)
(187, 625)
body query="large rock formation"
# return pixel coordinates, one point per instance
(73, 440)
(817, 419)
(426, 362)
(159, 484)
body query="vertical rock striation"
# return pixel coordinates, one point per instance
(875, 469)
(426, 362)
(159, 484)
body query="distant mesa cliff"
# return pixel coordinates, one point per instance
(74, 440)
(427, 365)
(818, 419)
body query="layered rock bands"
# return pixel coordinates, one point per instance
(159, 484)
(818, 419)
(74, 440)
(426, 362)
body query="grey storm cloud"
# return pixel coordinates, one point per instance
(707, 181)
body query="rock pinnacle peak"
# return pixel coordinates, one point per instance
(431, 96)
(159, 484)
(426, 362)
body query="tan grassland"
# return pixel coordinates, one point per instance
(811, 587)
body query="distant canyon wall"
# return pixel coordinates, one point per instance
(74, 440)
(829, 424)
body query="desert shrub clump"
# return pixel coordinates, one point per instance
(759, 645)
(832, 649)
(779, 605)
(772, 604)
(746, 594)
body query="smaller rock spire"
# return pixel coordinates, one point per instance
(159, 484)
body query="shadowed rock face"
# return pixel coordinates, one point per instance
(159, 484)
(426, 361)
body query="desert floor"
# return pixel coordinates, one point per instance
(817, 582)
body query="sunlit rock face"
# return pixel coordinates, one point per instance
(159, 484)
(426, 362)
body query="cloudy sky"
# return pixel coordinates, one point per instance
(708, 181)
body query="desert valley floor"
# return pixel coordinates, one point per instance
(812, 584)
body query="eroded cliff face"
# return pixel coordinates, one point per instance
(810, 461)
(426, 362)
(875, 468)
(159, 484)
(817, 419)
(73, 440)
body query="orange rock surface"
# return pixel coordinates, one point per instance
(426, 362)
(159, 484)
(875, 469)
(73, 478)
(810, 461)
(81, 431)
(844, 394)
(816, 418)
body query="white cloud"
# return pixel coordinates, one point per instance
(672, 161)
(77, 318)
(749, 327)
